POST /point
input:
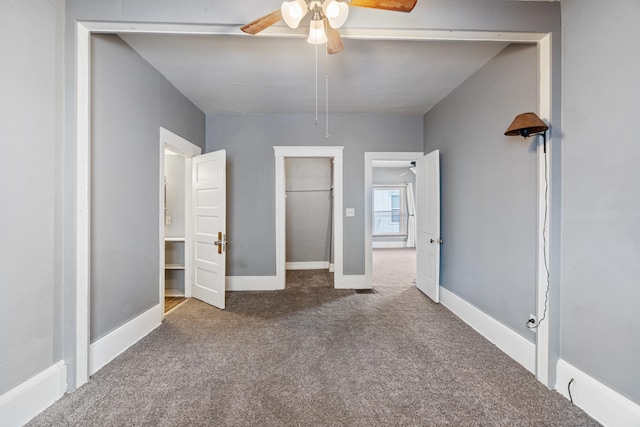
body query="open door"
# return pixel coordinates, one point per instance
(209, 227)
(428, 225)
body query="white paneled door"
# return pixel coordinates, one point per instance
(209, 227)
(428, 239)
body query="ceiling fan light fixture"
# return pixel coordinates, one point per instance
(336, 12)
(293, 12)
(317, 35)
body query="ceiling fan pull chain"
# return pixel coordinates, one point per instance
(316, 85)
(326, 90)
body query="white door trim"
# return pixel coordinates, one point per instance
(543, 350)
(280, 154)
(188, 150)
(79, 361)
(369, 157)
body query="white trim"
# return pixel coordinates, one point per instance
(280, 192)
(188, 226)
(179, 144)
(596, 399)
(309, 265)
(84, 29)
(389, 245)
(251, 283)
(23, 402)
(83, 204)
(542, 371)
(506, 339)
(354, 282)
(117, 341)
(369, 157)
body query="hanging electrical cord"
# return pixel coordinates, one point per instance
(531, 324)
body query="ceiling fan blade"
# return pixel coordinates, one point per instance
(334, 41)
(396, 5)
(263, 22)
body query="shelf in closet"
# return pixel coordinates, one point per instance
(174, 267)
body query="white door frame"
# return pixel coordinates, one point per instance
(187, 150)
(281, 223)
(369, 157)
(79, 361)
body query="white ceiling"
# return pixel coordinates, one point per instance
(275, 75)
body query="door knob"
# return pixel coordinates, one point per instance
(221, 243)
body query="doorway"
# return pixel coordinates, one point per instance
(309, 221)
(335, 249)
(175, 218)
(389, 216)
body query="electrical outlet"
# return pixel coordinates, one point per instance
(532, 319)
(168, 220)
(351, 212)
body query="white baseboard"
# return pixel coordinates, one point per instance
(317, 265)
(251, 283)
(107, 348)
(353, 282)
(22, 403)
(596, 399)
(506, 339)
(388, 245)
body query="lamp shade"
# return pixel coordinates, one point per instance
(336, 12)
(317, 34)
(293, 12)
(526, 124)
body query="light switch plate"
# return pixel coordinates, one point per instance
(351, 212)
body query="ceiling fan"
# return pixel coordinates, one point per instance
(325, 14)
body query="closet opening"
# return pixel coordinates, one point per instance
(309, 221)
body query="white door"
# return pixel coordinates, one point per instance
(428, 225)
(209, 227)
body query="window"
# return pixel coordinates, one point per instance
(389, 211)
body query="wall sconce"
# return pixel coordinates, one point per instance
(526, 125)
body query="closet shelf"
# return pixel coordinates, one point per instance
(174, 267)
(174, 239)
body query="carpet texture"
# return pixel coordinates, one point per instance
(394, 267)
(311, 355)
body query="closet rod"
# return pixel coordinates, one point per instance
(308, 191)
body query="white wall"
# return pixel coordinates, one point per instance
(174, 195)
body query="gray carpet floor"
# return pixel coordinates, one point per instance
(394, 267)
(311, 355)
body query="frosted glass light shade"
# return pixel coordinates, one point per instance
(293, 12)
(336, 12)
(317, 34)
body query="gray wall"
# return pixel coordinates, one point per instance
(600, 197)
(308, 209)
(31, 110)
(130, 102)
(489, 188)
(249, 142)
